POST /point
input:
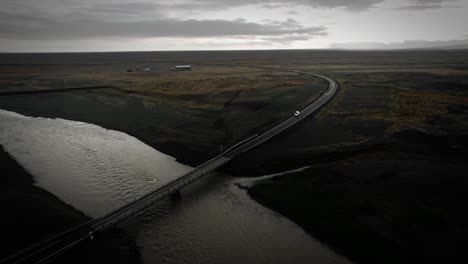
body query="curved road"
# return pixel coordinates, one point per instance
(56, 245)
(311, 108)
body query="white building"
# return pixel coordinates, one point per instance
(183, 68)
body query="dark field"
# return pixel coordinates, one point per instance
(387, 182)
(387, 176)
(188, 115)
(185, 114)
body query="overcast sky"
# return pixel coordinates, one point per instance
(125, 25)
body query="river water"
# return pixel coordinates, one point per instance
(96, 169)
(89, 167)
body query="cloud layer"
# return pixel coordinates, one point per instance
(419, 5)
(278, 23)
(144, 20)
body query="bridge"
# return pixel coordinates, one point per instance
(52, 247)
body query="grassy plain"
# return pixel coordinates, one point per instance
(188, 115)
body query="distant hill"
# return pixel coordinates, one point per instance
(454, 47)
(413, 44)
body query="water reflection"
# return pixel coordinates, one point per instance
(217, 222)
(89, 167)
(95, 170)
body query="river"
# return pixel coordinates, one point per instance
(96, 169)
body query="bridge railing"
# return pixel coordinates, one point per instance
(161, 188)
(148, 198)
(238, 145)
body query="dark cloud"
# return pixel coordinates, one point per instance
(429, 2)
(286, 39)
(65, 21)
(19, 26)
(288, 23)
(354, 5)
(88, 19)
(420, 5)
(274, 6)
(122, 8)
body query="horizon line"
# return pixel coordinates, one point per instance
(227, 50)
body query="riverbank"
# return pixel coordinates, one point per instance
(145, 114)
(187, 115)
(381, 94)
(383, 206)
(32, 214)
(41, 214)
(386, 181)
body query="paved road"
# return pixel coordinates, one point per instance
(313, 107)
(52, 247)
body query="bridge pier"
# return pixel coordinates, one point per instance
(176, 195)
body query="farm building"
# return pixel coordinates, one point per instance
(183, 68)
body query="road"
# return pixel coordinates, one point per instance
(311, 108)
(50, 248)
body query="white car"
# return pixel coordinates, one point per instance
(297, 113)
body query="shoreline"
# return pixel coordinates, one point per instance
(43, 215)
(21, 103)
(385, 182)
(370, 210)
(39, 208)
